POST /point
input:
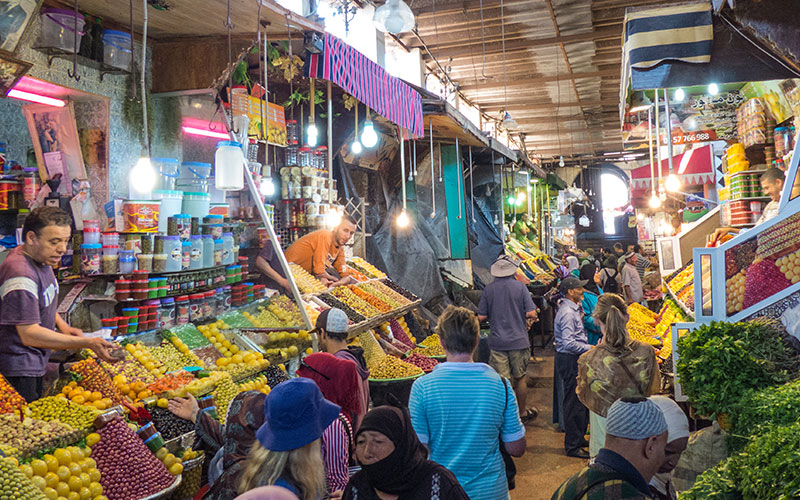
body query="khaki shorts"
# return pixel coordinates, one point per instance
(511, 363)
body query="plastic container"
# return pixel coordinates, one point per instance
(110, 239)
(145, 262)
(208, 250)
(58, 29)
(127, 262)
(173, 250)
(141, 216)
(166, 313)
(196, 307)
(209, 304)
(186, 255)
(183, 223)
(90, 258)
(196, 204)
(122, 290)
(227, 249)
(218, 249)
(110, 263)
(117, 49)
(30, 185)
(194, 177)
(168, 172)
(223, 209)
(182, 310)
(152, 288)
(196, 255)
(171, 204)
(155, 442)
(229, 163)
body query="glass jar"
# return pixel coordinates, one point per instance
(208, 250)
(196, 257)
(159, 263)
(173, 250)
(227, 291)
(127, 262)
(182, 310)
(292, 135)
(229, 166)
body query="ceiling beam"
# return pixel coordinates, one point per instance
(465, 6)
(497, 105)
(466, 48)
(523, 83)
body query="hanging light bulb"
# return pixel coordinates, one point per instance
(402, 219)
(333, 218)
(655, 201)
(142, 179)
(369, 138)
(393, 17)
(267, 186)
(640, 216)
(520, 198)
(311, 133)
(672, 184)
(680, 95)
(356, 147)
(511, 200)
(561, 161)
(713, 89)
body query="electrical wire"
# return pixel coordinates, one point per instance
(144, 82)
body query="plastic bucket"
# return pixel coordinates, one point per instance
(171, 204)
(379, 389)
(196, 204)
(117, 49)
(194, 177)
(168, 169)
(58, 29)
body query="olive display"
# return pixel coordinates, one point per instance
(14, 485)
(168, 424)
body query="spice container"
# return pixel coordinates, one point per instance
(209, 304)
(159, 263)
(173, 250)
(227, 291)
(186, 255)
(218, 246)
(122, 290)
(90, 258)
(110, 263)
(182, 310)
(127, 262)
(139, 289)
(183, 224)
(152, 288)
(145, 262)
(166, 313)
(91, 235)
(110, 239)
(196, 257)
(196, 307)
(208, 250)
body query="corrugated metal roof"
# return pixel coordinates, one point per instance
(562, 64)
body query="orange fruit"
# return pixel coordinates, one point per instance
(176, 469)
(63, 456)
(63, 473)
(51, 478)
(95, 396)
(52, 462)
(75, 483)
(39, 467)
(100, 405)
(79, 399)
(96, 489)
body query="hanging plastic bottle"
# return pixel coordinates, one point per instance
(229, 166)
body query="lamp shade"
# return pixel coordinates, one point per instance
(393, 17)
(509, 123)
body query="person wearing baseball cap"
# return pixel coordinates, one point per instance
(636, 438)
(569, 335)
(287, 449)
(331, 328)
(508, 306)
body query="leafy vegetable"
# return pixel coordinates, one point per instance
(719, 362)
(760, 409)
(716, 483)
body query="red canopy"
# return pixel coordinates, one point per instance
(694, 167)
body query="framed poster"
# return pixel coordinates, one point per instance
(55, 141)
(11, 70)
(15, 16)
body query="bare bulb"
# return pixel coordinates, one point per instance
(655, 201)
(672, 184)
(402, 219)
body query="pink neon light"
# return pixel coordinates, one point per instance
(40, 99)
(205, 133)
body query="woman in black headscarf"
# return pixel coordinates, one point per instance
(587, 272)
(394, 464)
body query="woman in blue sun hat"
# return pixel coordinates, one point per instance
(287, 448)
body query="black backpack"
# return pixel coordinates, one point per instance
(610, 284)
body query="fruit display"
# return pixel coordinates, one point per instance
(265, 319)
(401, 333)
(358, 304)
(686, 296)
(170, 383)
(390, 367)
(10, 399)
(208, 355)
(61, 409)
(275, 375)
(790, 266)
(381, 291)
(373, 352)
(223, 395)
(353, 315)
(424, 362)
(31, 435)
(14, 485)
(170, 358)
(366, 268)
(286, 311)
(192, 476)
(235, 319)
(168, 424)
(173, 464)
(190, 336)
(67, 472)
(684, 277)
(305, 281)
(128, 368)
(257, 383)
(313, 313)
(763, 280)
(734, 292)
(143, 357)
(434, 345)
(780, 239)
(93, 378)
(128, 470)
(356, 275)
(83, 396)
(371, 299)
(397, 288)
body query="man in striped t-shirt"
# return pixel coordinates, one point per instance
(463, 412)
(641, 262)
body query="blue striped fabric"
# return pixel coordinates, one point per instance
(458, 411)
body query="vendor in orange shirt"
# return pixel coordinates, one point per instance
(321, 253)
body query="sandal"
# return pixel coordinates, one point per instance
(529, 415)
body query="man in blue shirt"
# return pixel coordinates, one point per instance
(508, 306)
(570, 342)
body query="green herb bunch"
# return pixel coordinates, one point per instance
(719, 362)
(717, 483)
(760, 410)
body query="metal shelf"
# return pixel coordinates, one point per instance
(103, 68)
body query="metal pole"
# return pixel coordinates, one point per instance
(330, 141)
(669, 129)
(650, 143)
(433, 174)
(403, 168)
(471, 185)
(459, 179)
(658, 141)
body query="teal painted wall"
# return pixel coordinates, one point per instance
(454, 194)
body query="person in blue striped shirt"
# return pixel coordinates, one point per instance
(463, 411)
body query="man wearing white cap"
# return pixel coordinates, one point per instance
(636, 436)
(661, 486)
(508, 306)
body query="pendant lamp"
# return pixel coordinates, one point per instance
(393, 17)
